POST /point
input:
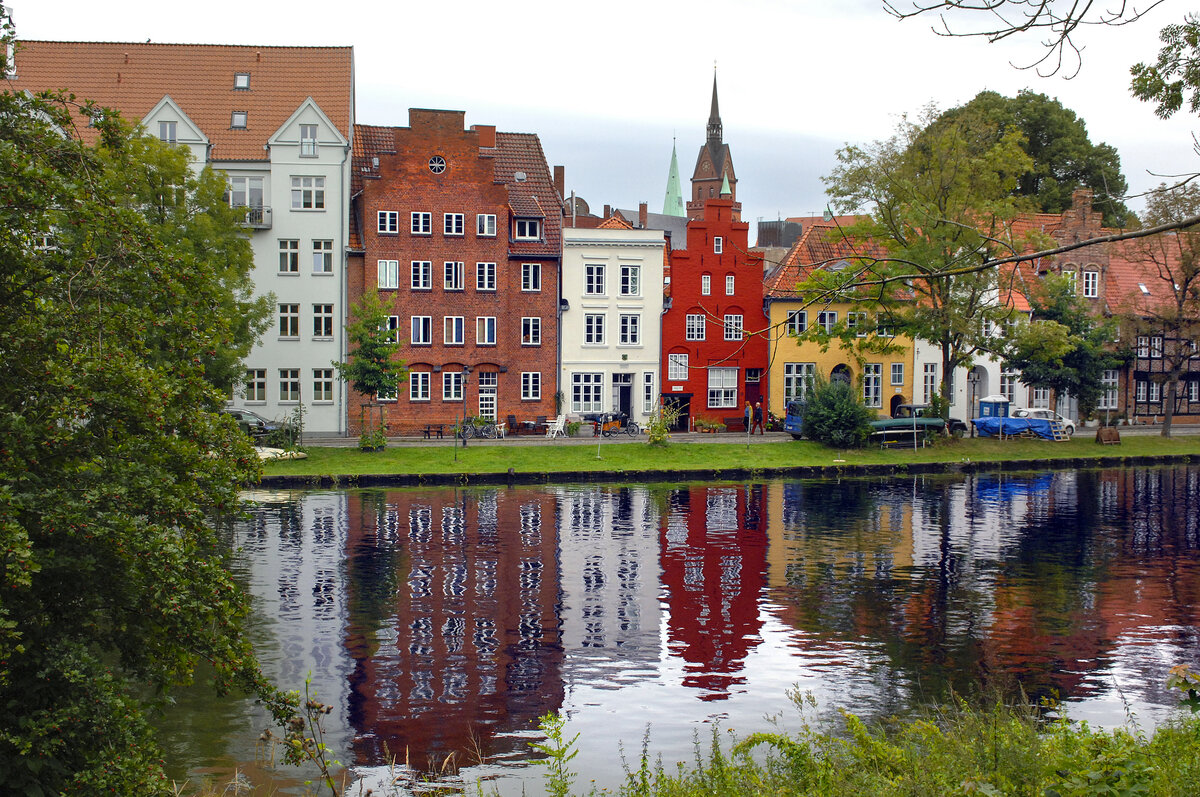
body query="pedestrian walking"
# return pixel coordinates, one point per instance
(747, 413)
(758, 419)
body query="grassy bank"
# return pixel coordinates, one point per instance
(635, 457)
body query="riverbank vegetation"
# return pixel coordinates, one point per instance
(702, 458)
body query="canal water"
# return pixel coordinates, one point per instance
(441, 623)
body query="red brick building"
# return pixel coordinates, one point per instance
(460, 232)
(714, 167)
(714, 331)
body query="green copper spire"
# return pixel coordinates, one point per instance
(673, 201)
(725, 189)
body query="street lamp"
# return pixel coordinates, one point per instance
(466, 377)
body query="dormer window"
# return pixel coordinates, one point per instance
(308, 141)
(238, 120)
(241, 81)
(166, 131)
(527, 229)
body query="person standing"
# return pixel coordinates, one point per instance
(758, 419)
(747, 413)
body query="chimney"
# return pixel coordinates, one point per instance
(642, 215)
(487, 135)
(607, 211)
(560, 180)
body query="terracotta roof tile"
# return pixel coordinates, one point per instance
(133, 77)
(534, 196)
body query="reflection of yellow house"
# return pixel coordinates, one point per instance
(801, 328)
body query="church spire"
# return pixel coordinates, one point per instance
(715, 134)
(673, 201)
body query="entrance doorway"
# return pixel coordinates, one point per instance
(622, 393)
(682, 402)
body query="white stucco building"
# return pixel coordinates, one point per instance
(612, 291)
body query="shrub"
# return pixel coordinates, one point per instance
(835, 415)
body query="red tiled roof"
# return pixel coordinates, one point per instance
(535, 196)
(821, 245)
(133, 77)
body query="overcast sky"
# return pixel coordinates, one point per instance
(606, 86)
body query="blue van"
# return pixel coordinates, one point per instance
(793, 421)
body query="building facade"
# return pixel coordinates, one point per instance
(459, 230)
(612, 281)
(277, 122)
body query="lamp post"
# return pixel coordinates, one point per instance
(466, 377)
(972, 382)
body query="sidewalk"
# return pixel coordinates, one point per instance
(334, 441)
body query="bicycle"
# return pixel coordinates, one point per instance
(485, 431)
(615, 424)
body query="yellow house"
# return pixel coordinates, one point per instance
(839, 340)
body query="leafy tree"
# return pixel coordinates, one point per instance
(1064, 158)
(939, 195)
(1171, 269)
(113, 452)
(1176, 73)
(835, 415)
(1066, 348)
(372, 369)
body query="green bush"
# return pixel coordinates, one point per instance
(835, 415)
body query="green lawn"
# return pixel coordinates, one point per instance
(639, 456)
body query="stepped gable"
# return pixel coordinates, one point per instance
(133, 77)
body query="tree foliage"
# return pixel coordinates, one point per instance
(1063, 156)
(1066, 347)
(835, 415)
(123, 302)
(939, 197)
(1175, 76)
(372, 369)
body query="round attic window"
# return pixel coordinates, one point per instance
(437, 164)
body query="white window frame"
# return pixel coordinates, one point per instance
(323, 321)
(289, 320)
(256, 385)
(722, 388)
(873, 384)
(797, 322)
(308, 193)
(289, 256)
(531, 331)
(485, 330)
(531, 385)
(168, 131)
(322, 392)
(485, 225)
(454, 330)
(827, 320)
(1091, 284)
(718, 245)
(308, 141)
(289, 385)
(422, 330)
(453, 225)
(527, 229)
(452, 386)
(531, 277)
(629, 330)
(733, 327)
(798, 380)
(322, 256)
(452, 275)
(420, 222)
(631, 280)
(730, 282)
(695, 326)
(705, 285)
(387, 222)
(389, 275)
(897, 374)
(929, 381)
(421, 275)
(593, 329)
(593, 279)
(858, 322)
(587, 391)
(1109, 382)
(418, 385)
(1008, 385)
(649, 394)
(393, 326)
(242, 191)
(677, 367)
(485, 276)
(1039, 398)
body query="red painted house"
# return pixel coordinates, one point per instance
(460, 232)
(715, 332)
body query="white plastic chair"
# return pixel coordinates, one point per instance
(558, 428)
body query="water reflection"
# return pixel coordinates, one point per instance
(442, 623)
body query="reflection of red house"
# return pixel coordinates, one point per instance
(714, 334)
(714, 558)
(462, 642)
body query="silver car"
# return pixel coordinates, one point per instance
(1068, 425)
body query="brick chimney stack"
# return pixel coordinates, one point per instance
(642, 215)
(560, 181)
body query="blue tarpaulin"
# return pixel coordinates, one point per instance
(990, 427)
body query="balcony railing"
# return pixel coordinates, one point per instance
(258, 218)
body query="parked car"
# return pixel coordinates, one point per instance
(258, 427)
(1068, 425)
(904, 414)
